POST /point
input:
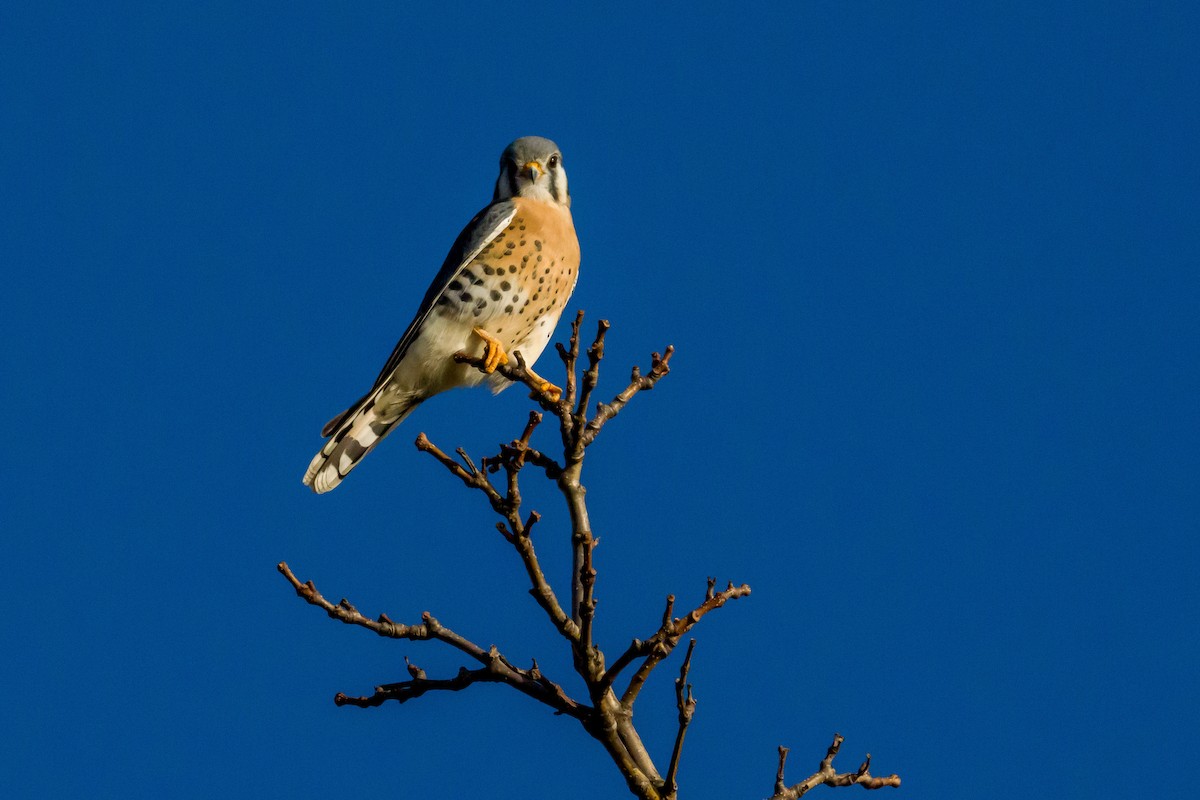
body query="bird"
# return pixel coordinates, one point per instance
(502, 288)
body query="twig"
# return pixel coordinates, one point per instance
(511, 459)
(826, 774)
(659, 366)
(660, 645)
(686, 704)
(569, 355)
(536, 686)
(409, 690)
(591, 377)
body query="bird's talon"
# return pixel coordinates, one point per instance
(553, 393)
(493, 351)
(544, 387)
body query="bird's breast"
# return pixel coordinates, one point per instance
(521, 280)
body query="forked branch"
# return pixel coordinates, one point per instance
(827, 775)
(608, 719)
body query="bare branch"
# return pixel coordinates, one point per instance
(591, 376)
(686, 703)
(569, 355)
(826, 774)
(780, 787)
(609, 719)
(659, 366)
(511, 459)
(537, 686)
(473, 478)
(541, 590)
(408, 690)
(660, 645)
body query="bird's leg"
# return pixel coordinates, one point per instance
(552, 392)
(493, 351)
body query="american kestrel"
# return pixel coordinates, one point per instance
(502, 288)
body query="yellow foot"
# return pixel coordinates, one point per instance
(552, 392)
(493, 351)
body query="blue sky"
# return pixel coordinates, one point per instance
(931, 272)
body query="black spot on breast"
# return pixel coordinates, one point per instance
(443, 301)
(495, 295)
(512, 268)
(456, 285)
(465, 297)
(481, 303)
(537, 243)
(505, 285)
(488, 270)
(535, 296)
(522, 243)
(539, 258)
(508, 252)
(507, 310)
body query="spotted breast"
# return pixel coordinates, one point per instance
(518, 285)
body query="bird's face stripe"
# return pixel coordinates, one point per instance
(513, 188)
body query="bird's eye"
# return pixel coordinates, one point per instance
(553, 162)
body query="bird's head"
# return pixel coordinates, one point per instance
(532, 167)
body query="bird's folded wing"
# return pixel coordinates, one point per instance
(483, 228)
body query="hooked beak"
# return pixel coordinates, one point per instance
(532, 169)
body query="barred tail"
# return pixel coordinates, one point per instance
(354, 434)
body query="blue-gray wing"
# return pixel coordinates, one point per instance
(485, 226)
